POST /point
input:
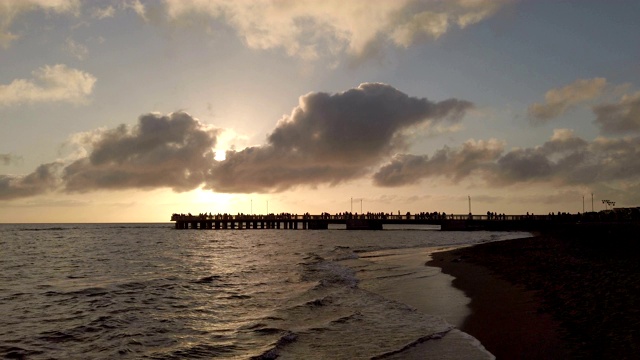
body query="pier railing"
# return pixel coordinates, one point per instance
(341, 218)
(489, 221)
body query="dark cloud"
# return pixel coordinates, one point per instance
(523, 165)
(327, 139)
(264, 169)
(45, 178)
(570, 160)
(405, 169)
(456, 164)
(621, 117)
(614, 159)
(564, 160)
(330, 138)
(173, 151)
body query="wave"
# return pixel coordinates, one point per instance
(87, 292)
(320, 302)
(274, 352)
(14, 296)
(69, 227)
(356, 316)
(15, 352)
(336, 274)
(343, 253)
(236, 297)
(57, 337)
(163, 294)
(199, 351)
(208, 279)
(48, 229)
(328, 273)
(434, 336)
(336, 319)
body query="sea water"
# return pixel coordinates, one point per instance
(105, 291)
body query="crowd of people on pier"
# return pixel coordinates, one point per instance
(623, 214)
(388, 216)
(239, 216)
(308, 216)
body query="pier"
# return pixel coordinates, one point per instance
(447, 222)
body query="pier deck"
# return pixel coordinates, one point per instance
(376, 222)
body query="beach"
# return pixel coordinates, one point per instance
(574, 294)
(146, 290)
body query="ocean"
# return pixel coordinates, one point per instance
(148, 291)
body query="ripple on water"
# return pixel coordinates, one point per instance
(148, 291)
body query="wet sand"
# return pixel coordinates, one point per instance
(561, 296)
(504, 317)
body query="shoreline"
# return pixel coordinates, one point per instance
(551, 296)
(401, 275)
(504, 317)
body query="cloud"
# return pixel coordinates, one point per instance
(174, 151)
(103, 13)
(327, 139)
(456, 164)
(56, 83)
(564, 160)
(557, 101)
(138, 7)
(8, 159)
(331, 138)
(620, 117)
(568, 160)
(10, 10)
(425, 20)
(561, 159)
(425, 24)
(354, 27)
(42, 180)
(78, 50)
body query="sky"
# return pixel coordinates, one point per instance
(129, 111)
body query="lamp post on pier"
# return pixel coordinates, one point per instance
(360, 204)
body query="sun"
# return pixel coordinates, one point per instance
(221, 155)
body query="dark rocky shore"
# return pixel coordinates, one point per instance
(573, 293)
